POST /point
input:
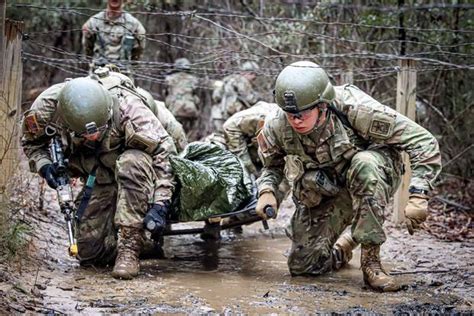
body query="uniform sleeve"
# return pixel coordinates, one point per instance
(236, 140)
(143, 131)
(34, 141)
(140, 42)
(272, 157)
(88, 37)
(383, 125)
(172, 126)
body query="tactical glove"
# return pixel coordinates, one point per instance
(155, 218)
(416, 211)
(266, 199)
(48, 172)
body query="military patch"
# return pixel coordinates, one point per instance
(380, 128)
(262, 142)
(32, 123)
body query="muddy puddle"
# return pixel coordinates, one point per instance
(245, 274)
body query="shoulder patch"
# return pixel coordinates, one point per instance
(31, 123)
(264, 144)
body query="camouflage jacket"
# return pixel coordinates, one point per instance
(333, 145)
(180, 94)
(171, 125)
(234, 95)
(132, 126)
(120, 39)
(240, 132)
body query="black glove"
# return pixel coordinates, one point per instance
(155, 218)
(48, 172)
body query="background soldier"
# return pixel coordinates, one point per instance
(113, 36)
(235, 94)
(113, 140)
(340, 150)
(181, 96)
(166, 118)
(240, 132)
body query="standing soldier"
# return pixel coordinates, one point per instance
(113, 36)
(341, 152)
(113, 140)
(181, 96)
(236, 93)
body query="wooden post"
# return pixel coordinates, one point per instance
(406, 105)
(10, 102)
(3, 6)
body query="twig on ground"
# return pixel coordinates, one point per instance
(421, 271)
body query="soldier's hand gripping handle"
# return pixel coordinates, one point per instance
(416, 211)
(48, 172)
(155, 218)
(266, 205)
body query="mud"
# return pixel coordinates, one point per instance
(239, 274)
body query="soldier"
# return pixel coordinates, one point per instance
(235, 94)
(181, 95)
(113, 36)
(240, 132)
(113, 140)
(341, 152)
(166, 118)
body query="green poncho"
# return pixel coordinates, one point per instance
(211, 181)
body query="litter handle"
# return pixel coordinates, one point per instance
(270, 211)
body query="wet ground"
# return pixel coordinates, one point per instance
(244, 274)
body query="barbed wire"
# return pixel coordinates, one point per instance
(240, 15)
(149, 36)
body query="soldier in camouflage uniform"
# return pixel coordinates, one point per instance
(166, 118)
(341, 152)
(113, 36)
(114, 141)
(235, 94)
(240, 132)
(181, 96)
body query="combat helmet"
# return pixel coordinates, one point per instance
(302, 86)
(149, 100)
(250, 66)
(83, 104)
(182, 64)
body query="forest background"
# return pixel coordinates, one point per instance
(350, 39)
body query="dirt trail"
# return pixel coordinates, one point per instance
(247, 274)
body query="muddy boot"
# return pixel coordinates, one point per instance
(342, 250)
(129, 244)
(374, 274)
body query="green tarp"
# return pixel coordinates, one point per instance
(211, 181)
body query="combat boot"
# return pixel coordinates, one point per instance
(129, 244)
(374, 274)
(342, 250)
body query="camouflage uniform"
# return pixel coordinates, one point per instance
(363, 162)
(132, 167)
(181, 97)
(240, 132)
(111, 41)
(171, 125)
(235, 94)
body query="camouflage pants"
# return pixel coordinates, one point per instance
(372, 178)
(123, 203)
